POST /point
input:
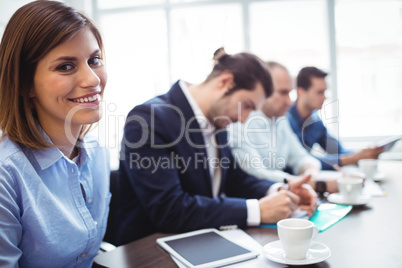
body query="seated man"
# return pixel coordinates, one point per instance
(177, 172)
(309, 128)
(265, 145)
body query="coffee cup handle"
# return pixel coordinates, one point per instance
(315, 231)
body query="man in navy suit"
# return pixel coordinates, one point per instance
(177, 172)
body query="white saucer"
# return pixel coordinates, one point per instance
(317, 252)
(338, 199)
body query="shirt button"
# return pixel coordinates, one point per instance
(72, 170)
(89, 200)
(83, 255)
(96, 223)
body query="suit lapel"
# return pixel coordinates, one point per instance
(224, 153)
(192, 135)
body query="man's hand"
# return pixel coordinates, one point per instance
(282, 204)
(331, 183)
(305, 192)
(368, 153)
(278, 206)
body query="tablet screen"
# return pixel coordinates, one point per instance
(203, 248)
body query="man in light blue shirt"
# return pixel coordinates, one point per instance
(265, 145)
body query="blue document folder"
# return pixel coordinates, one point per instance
(327, 214)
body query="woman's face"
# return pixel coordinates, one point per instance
(69, 83)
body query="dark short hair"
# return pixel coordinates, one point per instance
(246, 68)
(305, 75)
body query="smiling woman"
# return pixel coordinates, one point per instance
(67, 83)
(52, 78)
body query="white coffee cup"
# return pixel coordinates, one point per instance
(295, 236)
(368, 167)
(350, 188)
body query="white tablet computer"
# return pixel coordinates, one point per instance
(205, 248)
(388, 143)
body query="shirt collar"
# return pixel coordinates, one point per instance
(83, 147)
(295, 113)
(205, 125)
(51, 155)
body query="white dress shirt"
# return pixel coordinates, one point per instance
(207, 129)
(264, 147)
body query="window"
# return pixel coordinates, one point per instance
(152, 43)
(196, 33)
(293, 33)
(369, 44)
(183, 1)
(137, 63)
(107, 4)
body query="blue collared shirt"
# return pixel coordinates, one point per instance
(312, 131)
(44, 219)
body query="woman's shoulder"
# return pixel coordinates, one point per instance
(8, 149)
(12, 161)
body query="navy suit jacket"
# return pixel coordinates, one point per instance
(165, 184)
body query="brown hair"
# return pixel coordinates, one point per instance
(246, 68)
(305, 75)
(32, 32)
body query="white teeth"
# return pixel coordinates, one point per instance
(88, 99)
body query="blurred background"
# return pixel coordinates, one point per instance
(152, 43)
